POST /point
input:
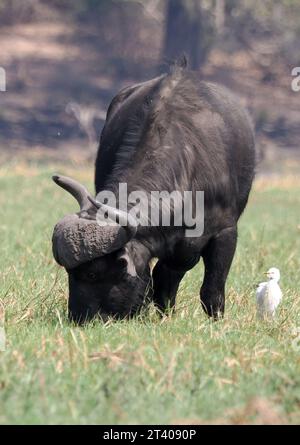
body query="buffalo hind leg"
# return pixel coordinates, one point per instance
(165, 285)
(217, 257)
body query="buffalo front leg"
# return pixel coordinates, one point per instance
(217, 257)
(165, 285)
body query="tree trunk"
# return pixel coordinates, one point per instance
(220, 15)
(188, 31)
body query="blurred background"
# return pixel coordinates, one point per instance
(65, 60)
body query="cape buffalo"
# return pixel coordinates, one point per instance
(174, 132)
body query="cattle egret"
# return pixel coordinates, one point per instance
(268, 294)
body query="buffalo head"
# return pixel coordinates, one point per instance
(107, 268)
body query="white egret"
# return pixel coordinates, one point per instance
(268, 294)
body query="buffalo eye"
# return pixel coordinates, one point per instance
(122, 262)
(91, 276)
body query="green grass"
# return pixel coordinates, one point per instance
(180, 369)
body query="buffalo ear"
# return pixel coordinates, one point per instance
(125, 259)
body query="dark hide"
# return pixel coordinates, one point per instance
(175, 132)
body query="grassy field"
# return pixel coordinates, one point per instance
(180, 369)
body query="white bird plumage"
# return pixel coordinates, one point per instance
(268, 294)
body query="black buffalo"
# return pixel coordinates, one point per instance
(174, 132)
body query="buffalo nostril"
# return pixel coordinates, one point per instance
(81, 314)
(76, 318)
